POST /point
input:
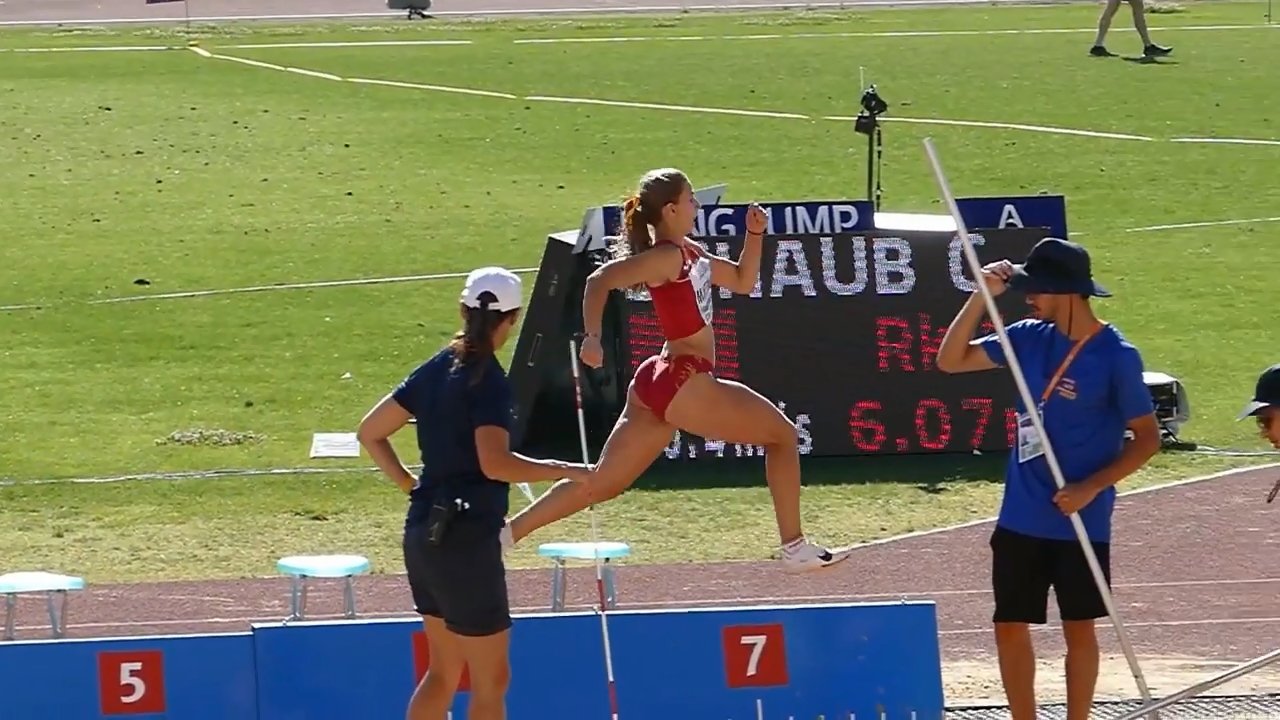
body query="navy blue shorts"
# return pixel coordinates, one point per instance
(462, 581)
(1023, 568)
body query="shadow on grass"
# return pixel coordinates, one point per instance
(927, 473)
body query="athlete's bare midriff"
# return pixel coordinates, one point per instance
(701, 343)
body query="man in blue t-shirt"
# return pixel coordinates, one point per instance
(1086, 380)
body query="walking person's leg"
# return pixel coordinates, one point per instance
(1149, 48)
(1109, 10)
(1138, 9)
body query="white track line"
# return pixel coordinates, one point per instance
(438, 88)
(1004, 126)
(347, 44)
(1227, 141)
(287, 286)
(92, 48)
(1211, 223)
(246, 61)
(314, 73)
(664, 106)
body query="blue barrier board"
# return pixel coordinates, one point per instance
(193, 677)
(801, 661)
(878, 660)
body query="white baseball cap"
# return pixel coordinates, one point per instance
(504, 284)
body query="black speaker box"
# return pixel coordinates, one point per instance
(546, 422)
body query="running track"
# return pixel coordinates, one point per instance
(1194, 571)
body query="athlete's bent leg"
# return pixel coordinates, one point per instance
(637, 438)
(732, 412)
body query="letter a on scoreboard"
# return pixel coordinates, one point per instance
(754, 655)
(131, 682)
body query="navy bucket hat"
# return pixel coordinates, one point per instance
(1266, 394)
(1056, 267)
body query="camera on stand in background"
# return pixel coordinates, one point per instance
(872, 107)
(868, 123)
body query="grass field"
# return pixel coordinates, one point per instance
(197, 173)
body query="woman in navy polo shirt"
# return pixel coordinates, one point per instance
(458, 505)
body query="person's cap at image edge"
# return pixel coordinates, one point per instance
(1266, 394)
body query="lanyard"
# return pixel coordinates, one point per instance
(1057, 376)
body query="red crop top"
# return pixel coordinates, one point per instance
(683, 305)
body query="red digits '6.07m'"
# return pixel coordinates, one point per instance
(934, 425)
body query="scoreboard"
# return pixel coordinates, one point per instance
(840, 330)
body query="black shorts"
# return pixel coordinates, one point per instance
(1023, 568)
(462, 581)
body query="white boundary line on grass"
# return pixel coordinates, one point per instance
(1004, 126)
(285, 286)
(665, 106)
(1228, 141)
(1209, 223)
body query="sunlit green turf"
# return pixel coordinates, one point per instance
(195, 173)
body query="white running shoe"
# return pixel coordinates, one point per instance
(803, 556)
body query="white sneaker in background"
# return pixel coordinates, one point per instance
(801, 555)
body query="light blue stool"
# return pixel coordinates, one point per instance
(54, 584)
(559, 552)
(301, 567)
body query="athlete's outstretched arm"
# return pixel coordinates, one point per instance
(740, 277)
(654, 267)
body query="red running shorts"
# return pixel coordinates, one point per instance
(658, 379)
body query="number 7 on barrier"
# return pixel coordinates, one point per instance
(131, 682)
(754, 655)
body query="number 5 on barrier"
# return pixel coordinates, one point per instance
(754, 655)
(131, 682)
